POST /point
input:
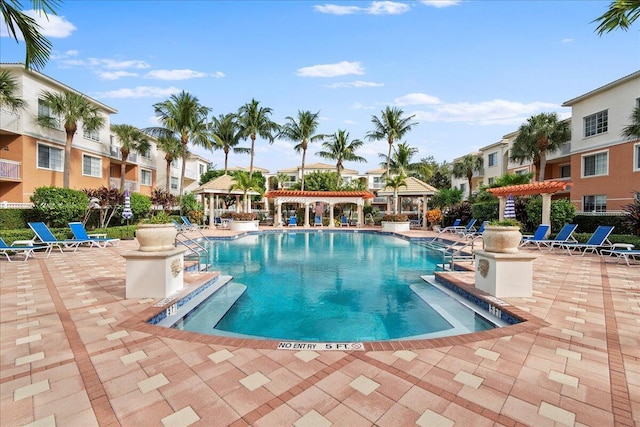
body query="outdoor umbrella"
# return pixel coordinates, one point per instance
(126, 212)
(510, 208)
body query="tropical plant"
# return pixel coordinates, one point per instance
(246, 182)
(38, 47)
(542, 133)
(320, 181)
(107, 200)
(395, 182)
(183, 117)
(281, 178)
(434, 216)
(226, 135)
(254, 121)
(621, 14)
(8, 91)
(631, 219)
(512, 179)
(508, 222)
(59, 206)
(466, 166)
(210, 175)
(162, 199)
(243, 216)
(131, 140)
(337, 147)
(632, 131)
(390, 126)
(562, 212)
(395, 218)
(400, 162)
(72, 107)
(140, 206)
(302, 130)
(172, 148)
(446, 197)
(190, 207)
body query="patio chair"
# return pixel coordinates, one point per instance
(627, 255)
(189, 225)
(293, 222)
(27, 251)
(415, 223)
(476, 233)
(540, 234)
(344, 221)
(453, 227)
(220, 223)
(97, 240)
(317, 222)
(564, 236)
(46, 237)
(469, 228)
(599, 238)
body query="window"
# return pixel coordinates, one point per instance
(91, 166)
(594, 203)
(49, 157)
(493, 159)
(146, 154)
(522, 171)
(565, 171)
(596, 124)
(463, 188)
(201, 169)
(91, 134)
(636, 157)
(45, 111)
(491, 181)
(145, 177)
(595, 164)
(174, 183)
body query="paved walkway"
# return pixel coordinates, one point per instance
(73, 353)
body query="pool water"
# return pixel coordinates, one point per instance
(330, 286)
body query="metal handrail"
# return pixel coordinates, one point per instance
(190, 244)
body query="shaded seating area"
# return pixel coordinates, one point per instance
(46, 237)
(564, 236)
(24, 250)
(97, 240)
(598, 239)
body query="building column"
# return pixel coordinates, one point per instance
(424, 212)
(360, 218)
(278, 223)
(546, 208)
(331, 223)
(503, 202)
(238, 208)
(306, 214)
(212, 213)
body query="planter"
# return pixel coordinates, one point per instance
(501, 239)
(156, 237)
(395, 227)
(244, 225)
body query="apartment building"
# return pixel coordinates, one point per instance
(32, 156)
(196, 167)
(294, 174)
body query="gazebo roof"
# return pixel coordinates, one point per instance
(544, 187)
(414, 187)
(294, 196)
(221, 185)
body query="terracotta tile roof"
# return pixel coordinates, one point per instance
(295, 193)
(547, 187)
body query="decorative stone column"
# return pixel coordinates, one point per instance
(546, 208)
(504, 275)
(278, 223)
(503, 203)
(331, 223)
(212, 213)
(306, 214)
(154, 274)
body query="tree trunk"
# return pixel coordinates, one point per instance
(469, 179)
(123, 168)
(543, 165)
(184, 167)
(253, 140)
(226, 160)
(66, 175)
(389, 157)
(168, 180)
(304, 154)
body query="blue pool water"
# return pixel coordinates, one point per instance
(331, 286)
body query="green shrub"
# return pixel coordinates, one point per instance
(59, 206)
(589, 223)
(562, 212)
(140, 206)
(12, 218)
(485, 211)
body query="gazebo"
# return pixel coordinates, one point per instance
(220, 186)
(414, 188)
(307, 198)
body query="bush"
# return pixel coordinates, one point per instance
(460, 210)
(395, 218)
(486, 211)
(59, 206)
(632, 217)
(140, 206)
(589, 223)
(12, 218)
(562, 212)
(243, 216)
(191, 208)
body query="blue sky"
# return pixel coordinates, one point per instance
(470, 71)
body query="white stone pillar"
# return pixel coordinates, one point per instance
(331, 223)
(425, 208)
(546, 208)
(306, 214)
(212, 213)
(505, 275)
(360, 218)
(278, 223)
(503, 203)
(238, 209)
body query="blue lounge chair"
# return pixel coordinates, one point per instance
(564, 236)
(476, 233)
(221, 223)
(469, 228)
(540, 234)
(344, 222)
(98, 240)
(293, 222)
(27, 251)
(188, 224)
(599, 238)
(46, 237)
(627, 255)
(453, 227)
(317, 222)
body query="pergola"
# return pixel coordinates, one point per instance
(545, 188)
(307, 198)
(220, 186)
(414, 188)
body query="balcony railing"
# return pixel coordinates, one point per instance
(131, 185)
(9, 169)
(114, 151)
(376, 186)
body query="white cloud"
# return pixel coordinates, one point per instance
(567, 40)
(357, 83)
(359, 106)
(334, 9)
(416, 99)
(376, 8)
(331, 70)
(349, 122)
(441, 3)
(218, 75)
(50, 26)
(139, 92)
(183, 74)
(70, 59)
(115, 75)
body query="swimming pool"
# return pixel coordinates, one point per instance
(331, 286)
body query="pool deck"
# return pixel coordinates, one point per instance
(73, 352)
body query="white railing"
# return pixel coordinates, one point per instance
(131, 185)
(114, 151)
(376, 186)
(9, 169)
(10, 205)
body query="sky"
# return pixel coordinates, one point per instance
(469, 72)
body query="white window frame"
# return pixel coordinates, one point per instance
(174, 183)
(491, 180)
(595, 196)
(45, 111)
(143, 173)
(636, 157)
(582, 159)
(521, 171)
(93, 135)
(99, 159)
(493, 156)
(50, 147)
(600, 123)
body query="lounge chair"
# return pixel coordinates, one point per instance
(293, 222)
(540, 234)
(189, 225)
(221, 223)
(46, 237)
(98, 240)
(344, 222)
(627, 255)
(317, 222)
(453, 227)
(599, 238)
(476, 233)
(469, 228)
(415, 223)
(27, 251)
(564, 236)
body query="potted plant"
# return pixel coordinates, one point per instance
(395, 223)
(434, 216)
(158, 233)
(243, 221)
(502, 236)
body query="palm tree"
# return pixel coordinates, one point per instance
(254, 121)
(37, 46)
(131, 139)
(225, 133)
(633, 130)
(304, 131)
(182, 115)
(542, 133)
(395, 182)
(72, 107)
(466, 166)
(338, 147)
(8, 90)
(245, 182)
(390, 126)
(621, 14)
(281, 178)
(400, 162)
(172, 148)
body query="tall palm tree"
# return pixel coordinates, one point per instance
(338, 147)
(71, 107)
(395, 182)
(466, 166)
(226, 135)
(281, 178)
(632, 131)
(542, 133)
(390, 126)
(38, 47)
(400, 162)
(131, 140)
(172, 148)
(245, 182)
(302, 131)
(8, 90)
(621, 14)
(182, 115)
(254, 121)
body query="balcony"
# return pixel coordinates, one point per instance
(563, 151)
(10, 170)
(376, 186)
(114, 151)
(10, 121)
(130, 185)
